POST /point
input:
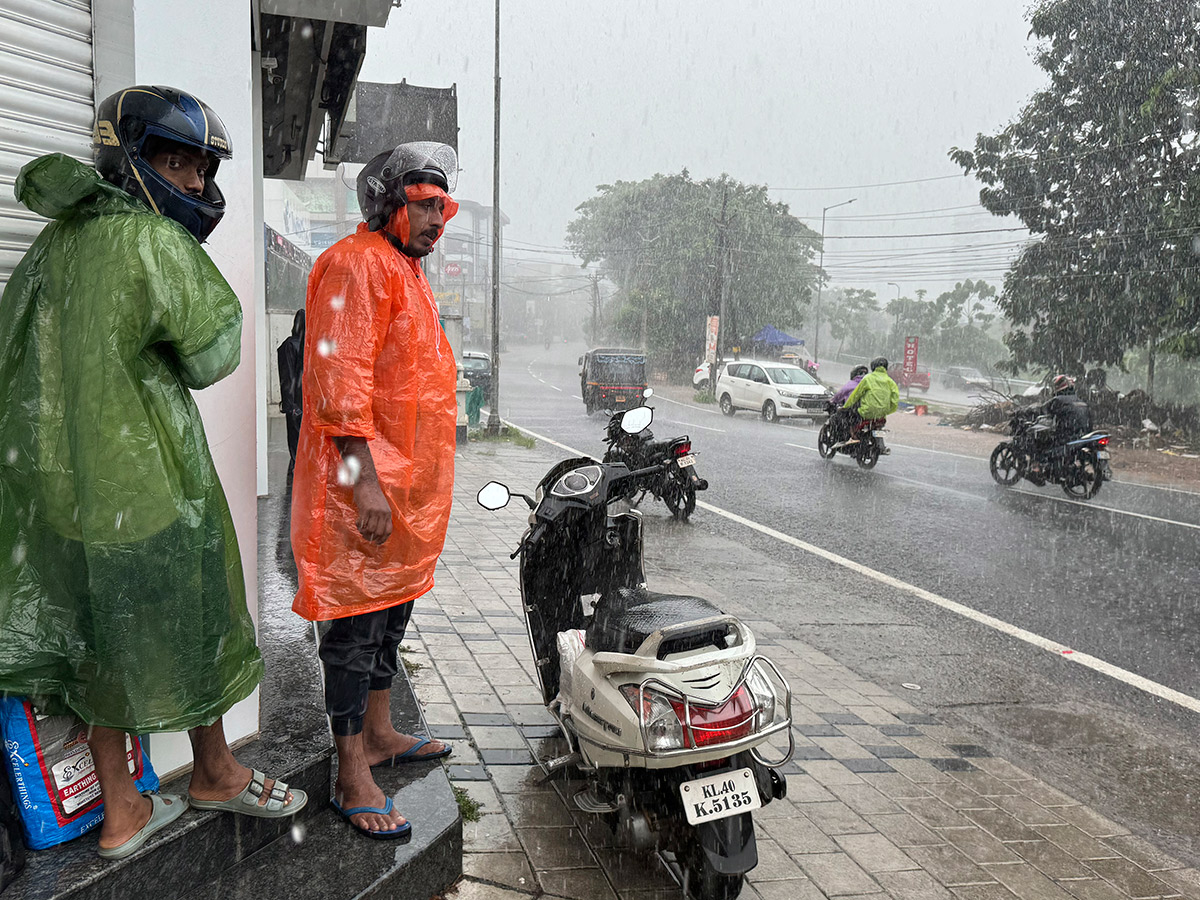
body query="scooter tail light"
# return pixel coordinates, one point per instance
(662, 724)
(1103, 442)
(682, 449)
(731, 721)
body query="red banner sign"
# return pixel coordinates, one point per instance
(910, 355)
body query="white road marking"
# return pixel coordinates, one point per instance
(941, 452)
(924, 484)
(1123, 512)
(1036, 640)
(694, 425)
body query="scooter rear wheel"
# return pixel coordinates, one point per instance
(706, 883)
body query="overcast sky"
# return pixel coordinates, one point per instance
(815, 98)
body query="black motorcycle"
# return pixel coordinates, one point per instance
(1080, 466)
(673, 478)
(864, 447)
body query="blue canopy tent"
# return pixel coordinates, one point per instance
(774, 337)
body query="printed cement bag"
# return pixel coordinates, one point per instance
(53, 779)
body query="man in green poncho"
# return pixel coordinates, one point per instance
(121, 590)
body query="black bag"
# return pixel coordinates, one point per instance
(12, 847)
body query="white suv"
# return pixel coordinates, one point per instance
(775, 389)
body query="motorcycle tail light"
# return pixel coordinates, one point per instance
(1103, 442)
(682, 449)
(732, 720)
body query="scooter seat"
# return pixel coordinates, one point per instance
(625, 618)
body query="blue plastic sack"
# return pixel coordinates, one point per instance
(53, 777)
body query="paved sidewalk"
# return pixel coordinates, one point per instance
(883, 799)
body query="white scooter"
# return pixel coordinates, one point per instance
(668, 709)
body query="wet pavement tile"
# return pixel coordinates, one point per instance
(489, 718)
(556, 848)
(1092, 889)
(1027, 882)
(821, 730)
(862, 798)
(903, 830)
(635, 869)
(950, 764)
(959, 796)
(491, 832)
(467, 773)
(493, 737)
(506, 757)
(1077, 843)
(1025, 810)
(810, 752)
(859, 766)
(1142, 852)
(913, 886)
(970, 751)
(1091, 822)
(448, 732)
(797, 834)
(507, 867)
(918, 719)
(837, 873)
(978, 846)
(842, 718)
(934, 812)
(875, 853)
(945, 863)
(835, 817)
(514, 779)
(795, 889)
(991, 891)
(577, 884)
(1050, 859)
(889, 751)
(899, 730)
(983, 783)
(542, 809)
(1130, 878)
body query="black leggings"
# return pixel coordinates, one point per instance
(359, 653)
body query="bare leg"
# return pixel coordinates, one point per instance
(125, 810)
(356, 787)
(216, 774)
(380, 739)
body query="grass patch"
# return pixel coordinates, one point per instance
(411, 666)
(506, 434)
(703, 397)
(467, 808)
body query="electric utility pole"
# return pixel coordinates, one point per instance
(493, 421)
(596, 309)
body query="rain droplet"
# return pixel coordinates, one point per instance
(18, 554)
(306, 33)
(909, 686)
(298, 833)
(12, 455)
(117, 523)
(326, 347)
(337, 303)
(1196, 245)
(348, 471)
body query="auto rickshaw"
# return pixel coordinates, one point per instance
(612, 378)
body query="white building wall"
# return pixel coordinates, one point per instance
(205, 50)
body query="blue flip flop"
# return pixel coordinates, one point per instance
(398, 832)
(411, 755)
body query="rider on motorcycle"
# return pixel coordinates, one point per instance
(876, 397)
(841, 420)
(1071, 415)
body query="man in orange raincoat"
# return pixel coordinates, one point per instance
(375, 464)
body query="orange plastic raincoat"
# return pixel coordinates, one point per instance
(377, 365)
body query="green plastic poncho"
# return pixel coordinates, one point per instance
(876, 396)
(121, 589)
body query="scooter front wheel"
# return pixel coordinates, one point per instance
(825, 442)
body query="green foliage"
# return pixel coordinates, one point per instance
(467, 807)
(953, 328)
(849, 318)
(667, 242)
(1101, 166)
(506, 434)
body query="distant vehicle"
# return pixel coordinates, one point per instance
(964, 378)
(919, 379)
(700, 376)
(612, 378)
(774, 389)
(477, 369)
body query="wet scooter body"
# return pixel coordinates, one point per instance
(669, 712)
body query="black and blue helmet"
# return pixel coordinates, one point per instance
(132, 123)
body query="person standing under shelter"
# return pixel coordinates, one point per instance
(375, 468)
(122, 597)
(290, 357)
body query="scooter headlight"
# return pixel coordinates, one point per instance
(764, 697)
(660, 722)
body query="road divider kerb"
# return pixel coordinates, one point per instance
(1062, 651)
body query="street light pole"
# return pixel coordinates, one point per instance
(821, 279)
(897, 287)
(493, 421)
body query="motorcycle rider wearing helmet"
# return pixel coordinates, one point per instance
(842, 420)
(127, 544)
(375, 465)
(875, 398)
(1071, 415)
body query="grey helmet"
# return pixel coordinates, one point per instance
(382, 181)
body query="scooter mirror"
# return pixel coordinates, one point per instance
(648, 393)
(493, 495)
(637, 420)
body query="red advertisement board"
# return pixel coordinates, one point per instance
(910, 355)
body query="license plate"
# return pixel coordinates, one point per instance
(719, 796)
(685, 461)
(620, 399)
(1104, 454)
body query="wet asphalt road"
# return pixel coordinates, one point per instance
(1119, 582)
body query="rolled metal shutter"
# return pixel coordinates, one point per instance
(46, 102)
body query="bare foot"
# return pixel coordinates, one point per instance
(380, 747)
(123, 820)
(350, 794)
(227, 784)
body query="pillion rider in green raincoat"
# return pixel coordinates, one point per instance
(121, 589)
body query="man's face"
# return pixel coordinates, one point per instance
(183, 167)
(425, 223)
